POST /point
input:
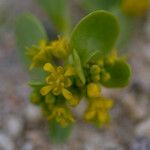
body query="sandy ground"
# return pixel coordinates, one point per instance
(21, 124)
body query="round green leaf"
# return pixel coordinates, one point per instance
(98, 31)
(29, 31)
(120, 73)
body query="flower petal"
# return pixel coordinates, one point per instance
(67, 82)
(45, 90)
(89, 115)
(103, 117)
(49, 67)
(93, 90)
(73, 101)
(60, 69)
(69, 71)
(67, 94)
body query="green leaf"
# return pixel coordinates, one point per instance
(58, 11)
(127, 24)
(78, 66)
(97, 31)
(58, 133)
(29, 31)
(92, 5)
(120, 73)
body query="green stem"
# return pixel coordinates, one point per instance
(59, 134)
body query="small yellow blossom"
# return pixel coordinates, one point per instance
(93, 72)
(93, 90)
(105, 76)
(111, 59)
(95, 69)
(62, 115)
(39, 55)
(60, 48)
(135, 7)
(73, 100)
(98, 110)
(58, 81)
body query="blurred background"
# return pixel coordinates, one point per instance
(22, 126)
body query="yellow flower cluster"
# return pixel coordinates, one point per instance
(99, 106)
(44, 52)
(62, 87)
(58, 81)
(98, 109)
(135, 7)
(62, 115)
(39, 55)
(60, 48)
(96, 70)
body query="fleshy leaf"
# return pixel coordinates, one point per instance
(97, 31)
(58, 11)
(120, 73)
(91, 5)
(29, 31)
(78, 66)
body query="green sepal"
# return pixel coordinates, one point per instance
(59, 134)
(78, 66)
(35, 84)
(98, 31)
(120, 73)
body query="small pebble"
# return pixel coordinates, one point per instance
(27, 146)
(140, 143)
(143, 129)
(14, 126)
(137, 110)
(6, 143)
(32, 113)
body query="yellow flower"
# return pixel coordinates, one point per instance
(39, 55)
(135, 7)
(93, 90)
(60, 48)
(58, 81)
(110, 59)
(105, 76)
(95, 69)
(62, 115)
(98, 110)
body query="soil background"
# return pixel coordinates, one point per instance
(22, 126)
